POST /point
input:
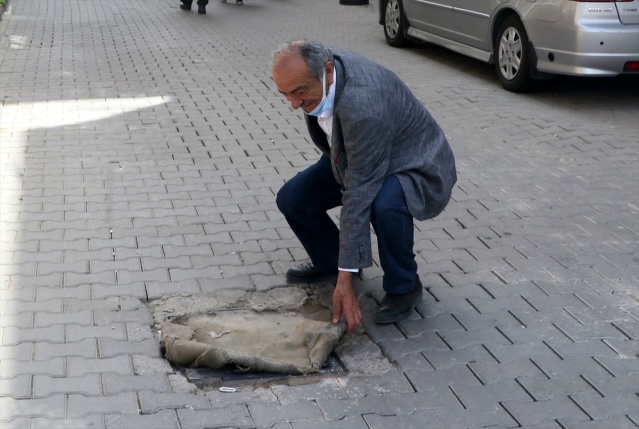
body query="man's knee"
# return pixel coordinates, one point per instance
(288, 197)
(282, 200)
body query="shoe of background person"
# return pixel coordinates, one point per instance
(306, 273)
(394, 308)
(239, 2)
(201, 10)
(185, 6)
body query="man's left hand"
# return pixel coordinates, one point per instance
(345, 301)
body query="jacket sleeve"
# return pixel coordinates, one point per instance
(366, 152)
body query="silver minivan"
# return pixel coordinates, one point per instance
(524, 39)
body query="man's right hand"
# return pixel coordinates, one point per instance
(345, 302)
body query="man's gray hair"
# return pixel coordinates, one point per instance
(314, 53)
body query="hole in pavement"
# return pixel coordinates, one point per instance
(232, 376)
(182, 317)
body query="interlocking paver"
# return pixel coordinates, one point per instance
(110, 347)
(18, 387)
(52, 407)
(530, 413)
(235, 416)
(265, 415)
(419, 420)
(44, 385)
(15, 336)
(121, 403)
(165, 419)
(152, 402)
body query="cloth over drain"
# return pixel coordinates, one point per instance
(292, 342)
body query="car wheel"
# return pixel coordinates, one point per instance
(512, 56)
(395, 24)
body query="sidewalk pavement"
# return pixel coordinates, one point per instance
(142, 147)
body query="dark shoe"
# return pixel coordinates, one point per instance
(185, 6)
(306, 273)
(394, 308)
(201, 10)
(239, 2)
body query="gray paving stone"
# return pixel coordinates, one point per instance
(395, 349)
(547, 389)
(76, 333)
(598, 408)
(14, 336)
(12, 368)
(435, 396)
(591, 332)
(423, 380)
(151, 402)
(47, 293)
(233, 416)
(43, 319)
(107, 290)
(84, 348)
(75, 305)
(52, 306)
(336, 409)
(22, 294)
(121, 403)
(615, 422)
(219, 399)
(20, 320)
(52, 407)
(138, 332)
(18, 387)
(420, 420)
(350, 422)
(449, 358)
(23, 351)
(116, 383)
(548, 333)
(607, 385)
(110, 347)
(166, 419)
(106, 317)
(44, 385)
(145, 365)
(17, 423)
(459, 339)
(267, 415)
(78, 366)
(529, 413)
(155, 290)
(73, 279)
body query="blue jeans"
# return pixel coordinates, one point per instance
(305, 199)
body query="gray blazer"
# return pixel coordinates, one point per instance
(381, 129)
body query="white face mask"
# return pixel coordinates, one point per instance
(325, 104)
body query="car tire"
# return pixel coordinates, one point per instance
(394, 23)
(512, 56)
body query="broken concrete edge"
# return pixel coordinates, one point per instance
(274, 299)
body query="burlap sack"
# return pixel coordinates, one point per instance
(291, 342)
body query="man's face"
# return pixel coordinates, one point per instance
(295, 81)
